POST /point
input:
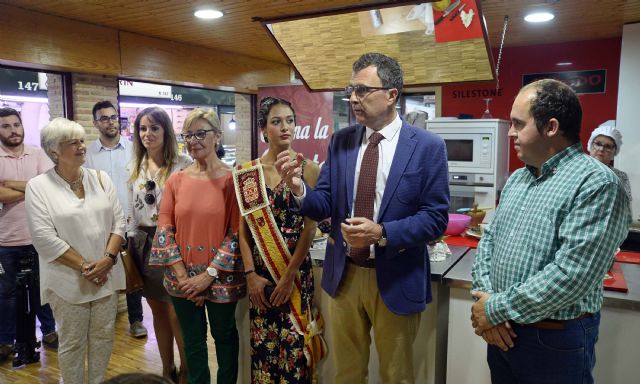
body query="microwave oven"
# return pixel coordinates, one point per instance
(478, 158)
(475, 145)
(468, 151)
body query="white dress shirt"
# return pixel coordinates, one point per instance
(386, 151)
(58, 220)
(114, 162)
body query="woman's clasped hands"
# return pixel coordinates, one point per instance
(97, 272)
(195, 287)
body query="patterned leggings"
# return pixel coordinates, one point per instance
(80, 326)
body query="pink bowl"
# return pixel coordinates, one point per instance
(457, 224)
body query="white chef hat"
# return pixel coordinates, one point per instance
(608, 128)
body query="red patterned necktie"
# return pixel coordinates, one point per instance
(366, 192)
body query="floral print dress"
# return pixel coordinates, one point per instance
(276, 347)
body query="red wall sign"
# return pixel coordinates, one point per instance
(594, 81)
(589, 55)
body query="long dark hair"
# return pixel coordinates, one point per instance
(170, 144)
(265, 107)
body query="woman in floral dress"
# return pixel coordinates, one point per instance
(277, 348)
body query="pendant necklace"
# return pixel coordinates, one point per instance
(75, 185)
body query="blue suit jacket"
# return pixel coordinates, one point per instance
(413, 209)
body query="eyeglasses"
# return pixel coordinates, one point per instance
(199, 135)
(149, 186)
(603, 147)
(104, 119)
(362, 90)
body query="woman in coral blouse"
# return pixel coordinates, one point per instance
(197, 240)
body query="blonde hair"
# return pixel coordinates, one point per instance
(209, 115)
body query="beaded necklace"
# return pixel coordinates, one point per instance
(75, 185)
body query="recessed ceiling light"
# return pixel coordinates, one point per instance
(564, 63)
(208, 14)
(539, 17)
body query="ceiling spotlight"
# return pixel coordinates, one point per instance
(208, 14)
(539, 17)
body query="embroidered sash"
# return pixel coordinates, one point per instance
(254, 205)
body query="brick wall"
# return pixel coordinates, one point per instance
(54, 94)
(88, 90)
(243, 128)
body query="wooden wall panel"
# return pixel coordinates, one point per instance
(57, 43)
(150, 58)
(236, 32)
(174, 20)
(47, 42)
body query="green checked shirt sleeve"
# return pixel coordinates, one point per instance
(552, 240)
(481, 272)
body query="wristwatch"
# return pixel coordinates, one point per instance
(113, 257)
(382, 242)
(211, 271)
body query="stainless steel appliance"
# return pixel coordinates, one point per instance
(478, 154)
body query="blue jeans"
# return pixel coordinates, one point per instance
(9, 257)
(564, 356)
(134, 306)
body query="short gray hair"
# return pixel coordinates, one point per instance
(57, 131)
(388, 69)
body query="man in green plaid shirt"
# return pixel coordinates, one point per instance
(539, 267)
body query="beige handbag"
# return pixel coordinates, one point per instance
(134, 278)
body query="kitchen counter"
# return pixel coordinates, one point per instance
(438, 269)
(441, 268)
(460, 277)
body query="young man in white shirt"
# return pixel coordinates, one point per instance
(111, 153)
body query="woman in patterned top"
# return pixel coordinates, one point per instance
(277, 348)
(197, 241)
(155, 157)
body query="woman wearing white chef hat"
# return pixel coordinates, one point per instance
(604, 144)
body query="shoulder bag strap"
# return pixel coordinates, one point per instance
(99, 174)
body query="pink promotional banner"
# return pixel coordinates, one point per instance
(314, 119)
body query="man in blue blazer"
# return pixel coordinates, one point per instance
(389, 286)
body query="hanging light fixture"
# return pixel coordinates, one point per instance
(232, 122)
